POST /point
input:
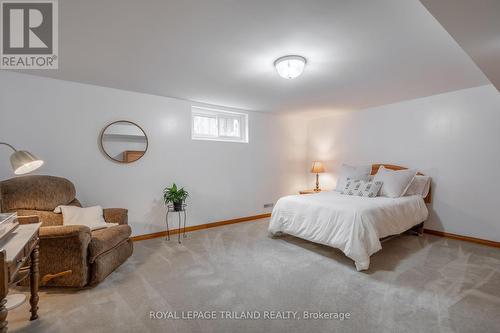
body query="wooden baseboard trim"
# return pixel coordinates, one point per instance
(463, 238)
(262, 216)
(200, 227)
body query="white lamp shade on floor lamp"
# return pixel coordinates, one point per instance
(22, 161)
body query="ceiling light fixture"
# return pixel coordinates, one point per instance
(290, 66)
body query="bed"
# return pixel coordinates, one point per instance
(355, 225)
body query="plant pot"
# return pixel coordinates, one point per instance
(178, 206)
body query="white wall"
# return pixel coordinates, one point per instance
(60, 122)
(453, 137)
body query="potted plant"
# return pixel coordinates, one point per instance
(175, 195)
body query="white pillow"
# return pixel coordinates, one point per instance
(352, 172)
(91, 217)
(394, 182)
(419, 186)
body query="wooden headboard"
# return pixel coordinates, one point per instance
(375, 168)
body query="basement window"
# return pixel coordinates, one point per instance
(219, 125)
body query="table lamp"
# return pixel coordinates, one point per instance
(317, 168)
(23, 161)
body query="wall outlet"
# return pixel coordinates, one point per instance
(269, 205)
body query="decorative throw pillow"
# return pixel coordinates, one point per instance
(362, 188)
(395, 183)
(352, 172)
(91, 217)
(370, 189)
(353, 186)
(419, 186)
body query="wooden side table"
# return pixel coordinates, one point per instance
(15, 250)
(309, 192)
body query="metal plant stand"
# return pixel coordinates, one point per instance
(180, 213)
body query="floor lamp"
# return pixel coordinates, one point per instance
(22, 162)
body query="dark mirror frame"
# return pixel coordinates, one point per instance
(122, 121)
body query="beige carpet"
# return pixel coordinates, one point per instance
(415, 284)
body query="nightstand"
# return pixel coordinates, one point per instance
(309, 192)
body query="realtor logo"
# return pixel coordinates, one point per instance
(29, 34)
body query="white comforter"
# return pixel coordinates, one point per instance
(349, 223)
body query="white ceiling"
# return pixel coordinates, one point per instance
(475, 25)
(360, 53)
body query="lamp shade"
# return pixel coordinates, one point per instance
(24, 162)
(317, 167)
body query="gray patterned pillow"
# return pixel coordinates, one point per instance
(362, 188)
(370, 189)
(352, 186)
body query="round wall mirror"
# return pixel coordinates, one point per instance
(124, 141)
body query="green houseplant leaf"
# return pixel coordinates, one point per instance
(174, 194)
